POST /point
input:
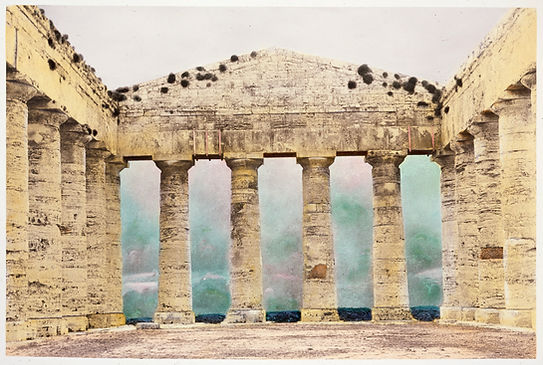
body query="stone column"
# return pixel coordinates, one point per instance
(467, 212)
(319, 300)
(114, 262)
(44, 272)
(245, 257)
(96, 235)
(391, 298)
(517, 130)
(17, 94)
(174, 283)
(450, 306)
(489, 223)
(74, 221)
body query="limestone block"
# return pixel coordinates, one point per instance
(245, 256)
(320, 315)
(106, 320)
(174, 287)
(390, 294)
(488, 316)
(391, 313)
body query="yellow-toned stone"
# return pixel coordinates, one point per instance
(319, 315)
(105, 320)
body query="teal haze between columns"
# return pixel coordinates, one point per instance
(280, 194)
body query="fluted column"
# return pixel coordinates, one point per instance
(174, 283)
(489, 222)
(97, 244)
(467, 219)
(517, 130)
(391, 297)
(74, 221)
(114, 262)
(319, 299)
(44, 272)
(450, 306)
(245, 256)
(17, 95)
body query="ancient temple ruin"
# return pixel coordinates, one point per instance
(68, 137)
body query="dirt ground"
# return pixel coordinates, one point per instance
(350, 340)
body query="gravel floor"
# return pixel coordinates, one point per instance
(354, 340)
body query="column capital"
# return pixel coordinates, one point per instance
(443, 157)
(97, 149)
(174, 165)
(379, 157)
(20, 91)
(73, 132)
(114, 167)
(312, 162)
(511, 103)
(50, 117)
(529, 80)
(462, 144)
(251, 163)
(482, 125)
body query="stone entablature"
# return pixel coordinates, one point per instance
(44, 58)
(277, 101)
(503, 57)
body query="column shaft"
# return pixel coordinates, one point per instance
(96, 235)
(449, 238)
(74, 221)
(517, 129)
(44, 239)
(390, 293)
(114, 263)
(245, 256)
(489, 222)
(16, 208)
(319, 300)
(174, 286)
(467, 217)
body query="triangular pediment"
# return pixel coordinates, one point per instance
(279, 79)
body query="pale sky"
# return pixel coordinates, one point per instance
(128, 45)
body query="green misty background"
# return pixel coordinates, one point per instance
(280, 193)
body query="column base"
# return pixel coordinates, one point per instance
(450, 314)
(391, 314)
(16, 331)
(105, 320)
(319, 315)
(46, 327)
(183, 317)
(76, 323)
(487, 315)
(518, 318)
(468, 314)
(245, 316)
